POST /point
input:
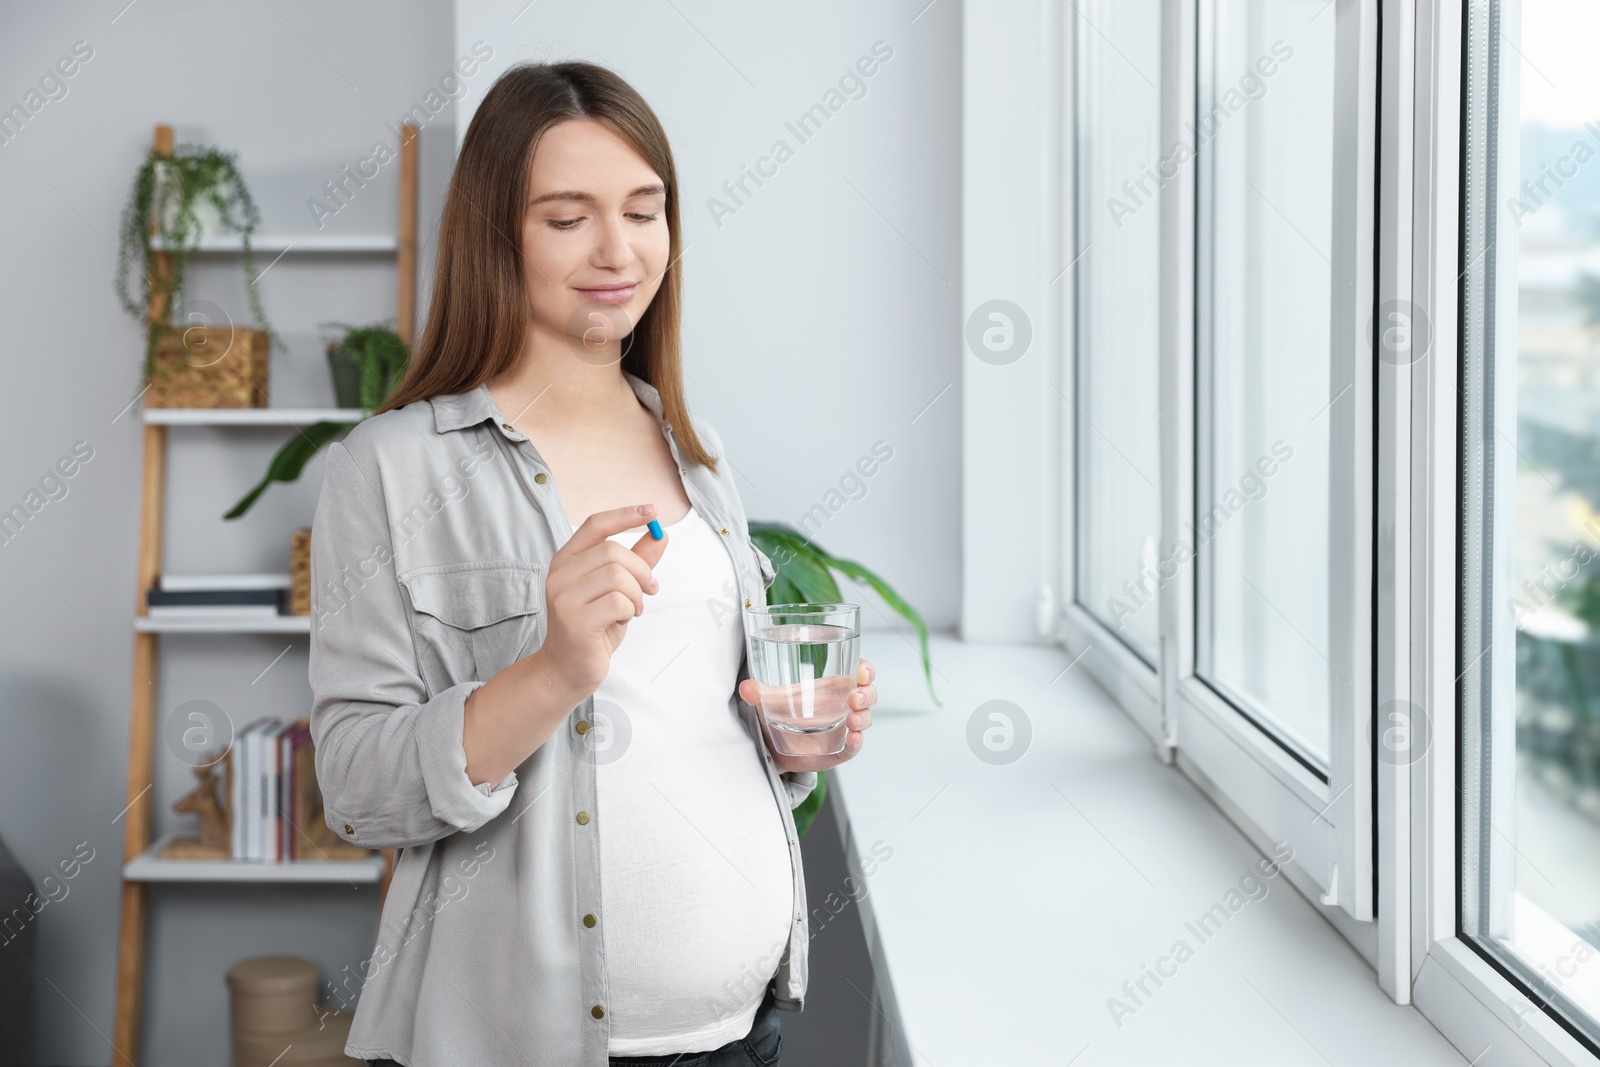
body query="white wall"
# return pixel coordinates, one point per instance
(1012, 228)
(823, 315)
(298, 89)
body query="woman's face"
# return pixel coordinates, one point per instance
(594, 237)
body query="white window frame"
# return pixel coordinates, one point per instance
(1469, 1000)
(1405, 823)
(1123, 673)
(1265, 790)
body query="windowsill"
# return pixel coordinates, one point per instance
(1020, 898)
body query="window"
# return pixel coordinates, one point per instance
(1375, 590)
(1269, 385)
(1118, 45)
(1530, 514)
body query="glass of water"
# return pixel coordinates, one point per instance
(803, 658)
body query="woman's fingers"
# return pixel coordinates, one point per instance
(602, 557)
(596, 587)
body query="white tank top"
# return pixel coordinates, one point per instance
(695, 884)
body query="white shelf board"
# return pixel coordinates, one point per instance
(249, 416)
(224, 624)
(274, 243)
(149, 867)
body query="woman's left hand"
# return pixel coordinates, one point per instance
(860, 701)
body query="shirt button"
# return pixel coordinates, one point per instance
(746, 601)
(508, 426)
(769, 759)
(349, 829)
(583, 818)
(598, 1012)
(541, 477)
(724, 531)
(588, 920)
(583, 726)
(683, 470)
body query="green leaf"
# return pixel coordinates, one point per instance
(901, 607)
(807, 811)
(379, 354)
(803, 578)
(291, 460)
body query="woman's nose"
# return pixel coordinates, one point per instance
(611, 245)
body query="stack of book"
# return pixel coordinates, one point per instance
(274, 803)
(200, 596)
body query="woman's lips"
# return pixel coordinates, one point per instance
(610, 296)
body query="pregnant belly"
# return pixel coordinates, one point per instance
(696, 889)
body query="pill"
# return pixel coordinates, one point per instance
(655, 529)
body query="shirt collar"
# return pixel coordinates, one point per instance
(455, 411)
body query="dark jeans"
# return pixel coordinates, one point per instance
(759, 1048)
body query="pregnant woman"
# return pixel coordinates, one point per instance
(541, 705)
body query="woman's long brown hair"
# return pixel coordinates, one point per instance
(479, 310)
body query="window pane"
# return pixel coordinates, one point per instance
(1118, 306)
(1530, 685)
(1265, 122)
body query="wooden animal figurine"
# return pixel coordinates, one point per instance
(214, 842)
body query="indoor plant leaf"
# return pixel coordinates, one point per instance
(798, 560)
(803, 577)
(291, 460)
(808, 808)
(381, 357)
(165, 191)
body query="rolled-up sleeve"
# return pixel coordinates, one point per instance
(390, 762)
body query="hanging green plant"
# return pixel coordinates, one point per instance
(172, 191)
(804, 576)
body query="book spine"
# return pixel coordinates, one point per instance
(285, 774)
(252, 776)
(269, 785)
(297, 810)
(306, 776)
(235, 784)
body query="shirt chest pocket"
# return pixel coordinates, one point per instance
(473, 620)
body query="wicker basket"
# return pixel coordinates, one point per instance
(226, 367)
(300, 572)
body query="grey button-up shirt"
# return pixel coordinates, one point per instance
(429, 548)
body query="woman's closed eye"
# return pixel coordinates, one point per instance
(567, 224)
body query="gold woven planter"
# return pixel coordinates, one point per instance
(300, 572)
(224, 367)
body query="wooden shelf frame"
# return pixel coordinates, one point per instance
(137, 844)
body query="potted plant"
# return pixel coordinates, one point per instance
(174, 201)
(366, 363)
(804, 576)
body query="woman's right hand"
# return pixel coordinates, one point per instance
(594, 587)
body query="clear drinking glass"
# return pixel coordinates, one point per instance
(803, 658)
